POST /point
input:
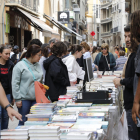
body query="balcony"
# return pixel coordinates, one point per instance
(76, 8)
(117, 29)
(29, 5)
(106, 5)
(107, 20)
(105, 34)
(111, 31)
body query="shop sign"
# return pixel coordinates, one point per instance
(63, 17)
(7, 23)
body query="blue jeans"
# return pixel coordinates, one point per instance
(132, 128)
(4, 118)
(25, 109)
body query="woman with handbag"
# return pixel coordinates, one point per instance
(56, 72)
(23, 81)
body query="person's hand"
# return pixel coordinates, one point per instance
(19, 104)
(116, 82)
(73, 83)
(97, 67)
(135, 111)
(11, 112)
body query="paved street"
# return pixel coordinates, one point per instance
(14, 124)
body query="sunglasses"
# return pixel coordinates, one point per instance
(103, 48)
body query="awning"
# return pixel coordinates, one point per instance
(63, 27)
(38, 24)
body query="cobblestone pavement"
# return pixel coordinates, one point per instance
(14, 124)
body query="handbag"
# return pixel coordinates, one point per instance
(39, 89)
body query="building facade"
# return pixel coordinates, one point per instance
(113, 21)
(22, 20)
(77, 19)
(93, 21)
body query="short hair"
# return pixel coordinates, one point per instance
(117, 48)
(59, 48)
(53, 40)
(121, 53)
(105, 45)
(44, 45)
(75, 48)
(34, 41)
(3, 47)
(45, 50)
(85, 46)
(127, 28)
(68, 44)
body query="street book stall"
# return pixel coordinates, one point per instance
(90, 110)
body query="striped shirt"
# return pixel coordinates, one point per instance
(120, 63)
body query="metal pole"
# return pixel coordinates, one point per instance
(3, 22)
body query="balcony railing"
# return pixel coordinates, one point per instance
(105, 5)
(76, 8)
(29, 4)
(111, 30)
(117, 29)
(105, 34)
(106, 20)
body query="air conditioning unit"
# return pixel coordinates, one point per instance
(74, 1)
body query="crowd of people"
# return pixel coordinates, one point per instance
(59, 64)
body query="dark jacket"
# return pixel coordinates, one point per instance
(112, 60)
(10, 70)
(56, 77)
(14, 58)
(128, 82)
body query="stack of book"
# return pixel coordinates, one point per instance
(79, 104)
(62, 103)
(38, 117)
(64, 118)
(83, 114)
(41, 108)
(31, 123)
(44, 133)
(71, 110)
(14, 134)
(65, 97)
(77, 136)
(41, 114)
(63, 125)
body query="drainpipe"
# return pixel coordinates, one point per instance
(3, 22)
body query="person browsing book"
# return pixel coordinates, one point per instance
(23, 82)
(74, 70)
(56, 72)
(105, 60)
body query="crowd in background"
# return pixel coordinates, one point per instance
(60, 64)
(56, 64)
